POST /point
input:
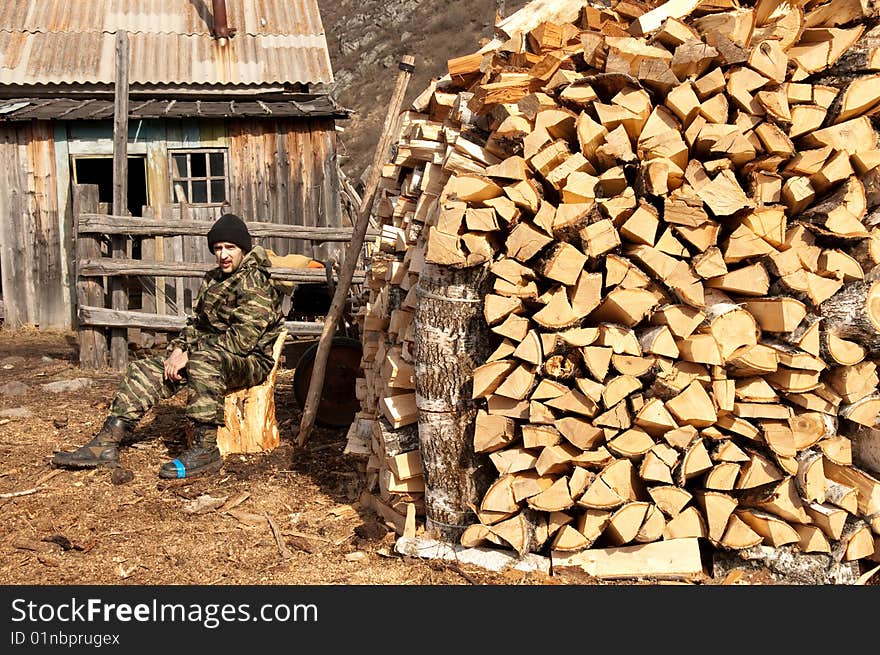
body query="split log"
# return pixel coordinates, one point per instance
(676, 559)
(250, 425)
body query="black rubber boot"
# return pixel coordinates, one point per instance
(102, 450)
(201, 459)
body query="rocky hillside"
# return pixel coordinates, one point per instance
(366, 40)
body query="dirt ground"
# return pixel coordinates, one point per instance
(286, 517)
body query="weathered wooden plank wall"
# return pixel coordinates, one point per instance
(13, 246)
(281, 171)
(33, 255)
(195, 249)
(326, 200)
(284, 171)
(50, 306)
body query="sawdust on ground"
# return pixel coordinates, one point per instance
(285, 517)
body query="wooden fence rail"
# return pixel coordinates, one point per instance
(135, 267)
(109, 224)
(164, 305)
(100, 316)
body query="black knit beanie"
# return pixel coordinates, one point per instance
(232, 229)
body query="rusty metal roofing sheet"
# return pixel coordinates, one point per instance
(170, 16)
(64, 42)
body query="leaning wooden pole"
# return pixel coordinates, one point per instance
(316, 384)
(119, 300)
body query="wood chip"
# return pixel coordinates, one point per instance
(202, 504)
(279, 539)
(235, 501)
(248, 518)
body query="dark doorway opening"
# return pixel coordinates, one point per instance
(99, 171)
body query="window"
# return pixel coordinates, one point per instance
(199, 176)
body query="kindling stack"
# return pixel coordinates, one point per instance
(665, 219)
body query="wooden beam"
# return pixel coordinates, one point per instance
(147, 226)
(101, 266)
(352, 256)
(118, 295)
(92, 342)
(101, 317)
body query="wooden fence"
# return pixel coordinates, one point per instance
(165, 279)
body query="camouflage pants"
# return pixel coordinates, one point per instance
(208, 376)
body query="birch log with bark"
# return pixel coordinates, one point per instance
(853, 313)
(451, 340)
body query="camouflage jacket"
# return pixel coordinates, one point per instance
(239, 313)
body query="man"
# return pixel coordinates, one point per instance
(226, 344)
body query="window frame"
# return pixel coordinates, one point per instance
(188, 178)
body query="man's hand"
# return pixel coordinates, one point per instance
(175, 362)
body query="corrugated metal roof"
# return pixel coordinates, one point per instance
(73, 41)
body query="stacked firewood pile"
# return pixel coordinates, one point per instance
(384, 431)
(674, 208)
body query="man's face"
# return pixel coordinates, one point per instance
(228, 256)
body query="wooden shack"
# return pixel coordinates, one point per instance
(233, 113)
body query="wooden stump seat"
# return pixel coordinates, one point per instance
(251, 426)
